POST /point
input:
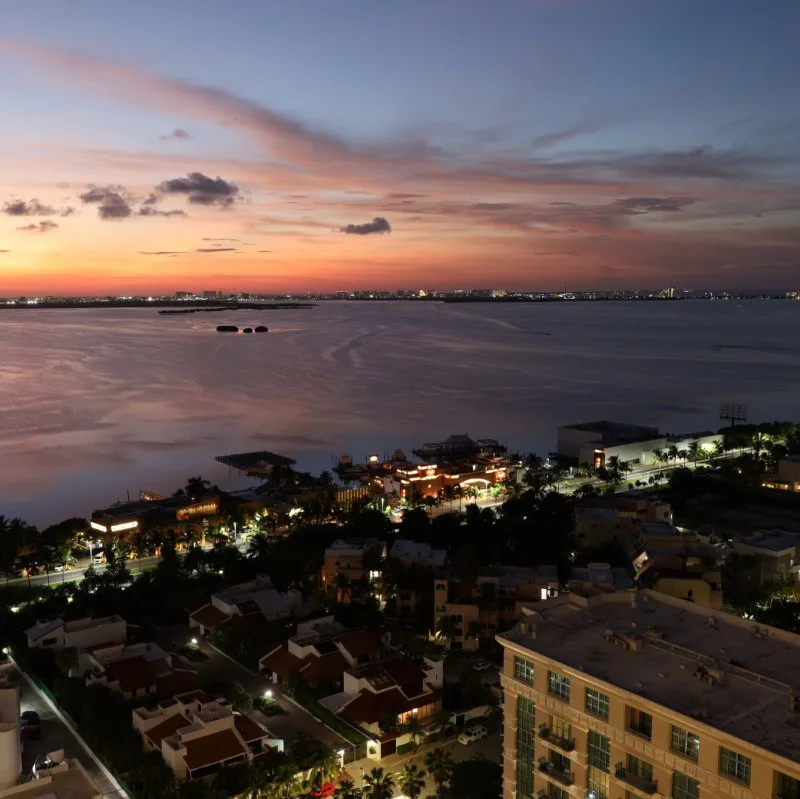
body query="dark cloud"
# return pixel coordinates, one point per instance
(217, 249)
(41, 227)
(34, 208)
(149, 210)
(178, 133)
(111, 204)
(164, 252)
(647, 205)
(5, 251)
(378, 225)
(207, 239)
(265, 250)
(202, 189)
(151, 199)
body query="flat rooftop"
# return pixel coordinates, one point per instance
(673, 639)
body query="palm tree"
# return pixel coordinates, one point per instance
(411, 780)
(672, 453)
(346, 789)
(327, 768)
(259, 547)
(439, 764)
(414, 729)
(459, 492)
(378, 785)
(446, 628)
(616, 469)
(695, 451)
(196, 487)
(343, 587)
(659, 455)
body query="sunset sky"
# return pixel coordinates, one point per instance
(316, 145)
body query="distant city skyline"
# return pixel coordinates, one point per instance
(292, 148)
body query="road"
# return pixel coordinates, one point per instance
(293, 722)
(54, 735)
(491, 748)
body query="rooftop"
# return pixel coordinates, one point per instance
(663, 644)
(610, 433)
(773, 540)
(403, 548)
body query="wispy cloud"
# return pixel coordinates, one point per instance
(34, 208)
(46, 226)
(163, 252)
(378, 225)
(217, 249)
(178, 134)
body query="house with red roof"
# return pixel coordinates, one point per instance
(397, 688)
(258, 600)
(135, 670)
(197, 735)
(321, 650)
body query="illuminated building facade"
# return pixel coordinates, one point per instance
(644, 695)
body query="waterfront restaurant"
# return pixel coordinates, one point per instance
(433, 480)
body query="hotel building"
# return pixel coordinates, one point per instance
(639, 695)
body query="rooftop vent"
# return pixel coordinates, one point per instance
(712, 622)
(627, 641)
(711, 675)
(758, 632)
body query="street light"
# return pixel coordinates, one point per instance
(194, 642)
(268, 693)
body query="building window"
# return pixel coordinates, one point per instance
(558, 685)
(599, 751)
(523, 670)
(558, 793)
(734, 765)
(526, 726)
(596, 703)
(684, 787)
(596, 783)
(786, 787)
(560, 728)
(641, 768)
(685, 743)
(639, 722)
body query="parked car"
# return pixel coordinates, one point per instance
(481, 665)
(43, 764)
(29, 728)
(431, 730)
(473, 734)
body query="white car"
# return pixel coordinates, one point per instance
(481, 665)
(473, 734)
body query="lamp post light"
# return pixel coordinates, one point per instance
(268, 693)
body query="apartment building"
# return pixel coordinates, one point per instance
(479, 607)
(644, 695)
(350, 560)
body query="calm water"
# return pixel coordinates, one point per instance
(97, 403)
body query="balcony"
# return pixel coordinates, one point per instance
(566, 778)
(635, 780)
(546, 734)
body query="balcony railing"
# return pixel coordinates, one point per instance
(566, 778)
(636, 780)
(546, 734)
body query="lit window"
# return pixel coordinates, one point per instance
(685, 743)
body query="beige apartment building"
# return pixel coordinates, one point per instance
(632, 696)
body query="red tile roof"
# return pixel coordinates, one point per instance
(370, 708)
(324, 669)
(210, 749)
(168, 727)
(248, 729)
(208, 616)
(134, 673)
(281, 662)
(360, 643)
